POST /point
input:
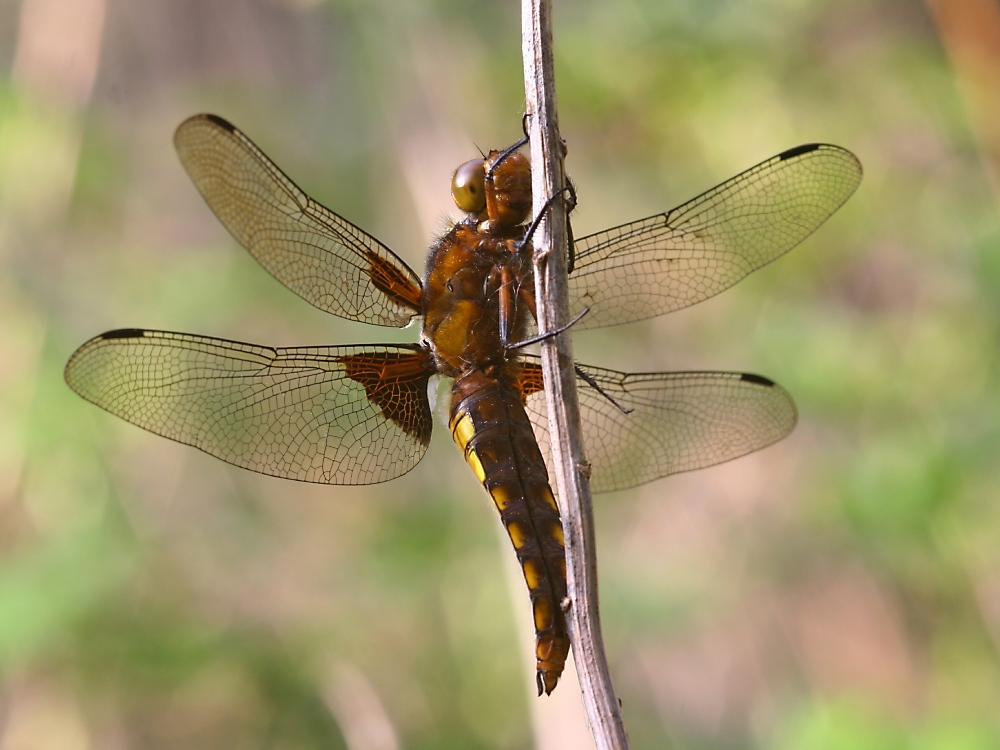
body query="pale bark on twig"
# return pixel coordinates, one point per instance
(582, 615)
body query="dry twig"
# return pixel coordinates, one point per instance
(582, 615)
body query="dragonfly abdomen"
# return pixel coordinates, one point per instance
(489, 424)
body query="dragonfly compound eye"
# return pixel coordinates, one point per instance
(468, 186)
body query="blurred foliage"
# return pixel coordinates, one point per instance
(840, 590)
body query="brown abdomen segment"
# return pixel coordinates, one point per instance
(491, 427)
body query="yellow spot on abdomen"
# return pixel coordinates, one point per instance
(546, 494)
(477, 466)
(501, 498)
(542, 615)
(556, 532)
(518, 534)
(463, 430)
(532, 574)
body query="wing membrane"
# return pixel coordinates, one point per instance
(322, 257)
(671, 260)
(679, 421)
(335, 415)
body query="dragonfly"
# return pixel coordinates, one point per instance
(355, 415)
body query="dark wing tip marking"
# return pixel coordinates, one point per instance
(124, 333)
(791, 153)
(221, 122)
(749, 377)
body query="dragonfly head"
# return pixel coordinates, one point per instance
(508, 188)
(497, 187)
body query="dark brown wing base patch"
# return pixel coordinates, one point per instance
(396, 383)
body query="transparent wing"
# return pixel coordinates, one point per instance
(679, 421)
(336, 415)
(320, 256)
(675, 259)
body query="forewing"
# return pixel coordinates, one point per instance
(677, 421)
(336, 415)
(320, 256)
(675, 259)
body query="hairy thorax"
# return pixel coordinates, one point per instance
(473, 297)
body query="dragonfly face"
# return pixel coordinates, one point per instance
(360, 414)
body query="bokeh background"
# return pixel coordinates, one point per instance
(838, 590)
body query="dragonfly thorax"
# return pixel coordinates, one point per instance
(473, 300)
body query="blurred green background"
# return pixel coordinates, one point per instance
(838, 590)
